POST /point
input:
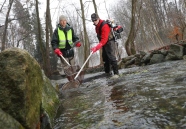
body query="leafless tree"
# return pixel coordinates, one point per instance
(48, 37)
(6, 25)
(129, 44)
(41, 44)
(86, 40)
(2, 6)
(95, 6)
(155, 22)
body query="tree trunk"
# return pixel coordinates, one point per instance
(48, 66)
(6, 25)
(100, 51)
(95, 6)
(41, 45)
(86, 48)
(54, 58)
(129, 45)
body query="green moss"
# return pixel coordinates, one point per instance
(22, 80)
(50, 99)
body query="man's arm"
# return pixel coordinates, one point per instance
(104, 38)
(75, 39)
(105, 31)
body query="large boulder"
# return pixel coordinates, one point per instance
(24, 89)
(50, 103)
(7, 122)
(176, 52)
(157, 58)
(20, 86)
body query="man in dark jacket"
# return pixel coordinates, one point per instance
(63, 41)
(106, 42)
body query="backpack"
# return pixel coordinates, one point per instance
(115, 30)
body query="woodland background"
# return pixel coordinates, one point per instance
(148, 25)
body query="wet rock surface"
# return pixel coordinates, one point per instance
(27, 98)
(152, 96)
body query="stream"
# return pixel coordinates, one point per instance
(146, 97)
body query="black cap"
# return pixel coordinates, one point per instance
(94, 17)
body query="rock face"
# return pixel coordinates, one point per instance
(49, 106)
(7, 122)
(22, 86)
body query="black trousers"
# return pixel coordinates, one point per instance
(109, 58)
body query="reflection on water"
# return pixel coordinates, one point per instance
(117, 97)
(117, 107)
(134, 101)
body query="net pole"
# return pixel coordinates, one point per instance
(83, 66)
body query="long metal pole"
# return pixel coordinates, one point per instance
(83, 65)
(65, 60)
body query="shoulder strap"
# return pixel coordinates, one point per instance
(102, 24)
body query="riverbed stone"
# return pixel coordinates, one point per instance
(157, 58)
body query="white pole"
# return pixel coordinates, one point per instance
(83, 66)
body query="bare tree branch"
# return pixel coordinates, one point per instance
(6, 25)
(2, 6)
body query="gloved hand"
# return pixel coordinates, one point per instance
(78, 44)
(94, 49)
(118, 29)
(58, 52)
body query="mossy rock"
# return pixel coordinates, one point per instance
(50, 103)
(8, 122)
(21, 85)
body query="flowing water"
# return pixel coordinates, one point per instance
(148, 97)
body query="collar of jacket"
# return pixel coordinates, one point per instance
(100, 21)
(98, 25)
(67, 27)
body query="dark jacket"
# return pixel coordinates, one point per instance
(55, 37)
